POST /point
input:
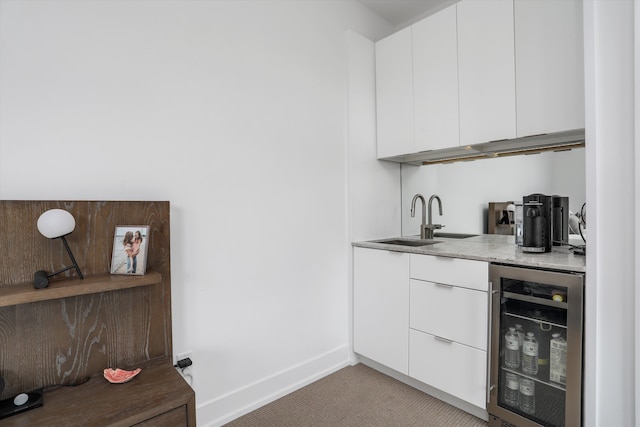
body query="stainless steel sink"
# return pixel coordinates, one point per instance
(454, 235)
(408, 242)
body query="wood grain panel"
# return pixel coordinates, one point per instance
(157, 395)
(68, 340)
(174, 418)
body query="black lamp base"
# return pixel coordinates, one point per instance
(40, 279)
(14, 406)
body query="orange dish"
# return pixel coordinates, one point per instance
(119, 376)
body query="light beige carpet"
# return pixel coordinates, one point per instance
(357, 396)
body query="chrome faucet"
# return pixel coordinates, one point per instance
(430, 227)
(423, 227)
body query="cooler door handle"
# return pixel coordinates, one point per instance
(490, 387)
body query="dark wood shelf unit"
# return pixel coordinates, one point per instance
(62, 337)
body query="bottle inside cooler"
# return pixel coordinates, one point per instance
(511, 349)
(530, 354)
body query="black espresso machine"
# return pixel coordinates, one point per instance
(545, 222)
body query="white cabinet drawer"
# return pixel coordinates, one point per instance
(448, 366)
(450, 312)
(451, 271)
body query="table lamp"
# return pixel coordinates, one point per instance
(54, 224)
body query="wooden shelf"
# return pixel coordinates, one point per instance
(25, 292)
(157, 392)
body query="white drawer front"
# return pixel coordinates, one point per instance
(453, 368)
(450, 312)
(452, 271)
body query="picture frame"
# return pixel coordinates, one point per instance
(130, 255)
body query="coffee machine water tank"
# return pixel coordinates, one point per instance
(560, 225)
(536, 236)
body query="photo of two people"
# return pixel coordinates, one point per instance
(130, 245)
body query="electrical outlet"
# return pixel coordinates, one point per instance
(184, 355)
(186, 372)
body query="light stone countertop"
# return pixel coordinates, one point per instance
(490, 248)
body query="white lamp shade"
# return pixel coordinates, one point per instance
(56, 223)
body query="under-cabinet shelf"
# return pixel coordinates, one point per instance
(25, 292)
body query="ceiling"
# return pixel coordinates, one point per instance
(399, 12)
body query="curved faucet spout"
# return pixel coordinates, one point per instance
(423, 226)
(439, 205)
(429, 228)
(413, 206)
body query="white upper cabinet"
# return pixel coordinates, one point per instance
(481, 71)
(549, 66)
(394, 94)
(486, 71)
(435, 81)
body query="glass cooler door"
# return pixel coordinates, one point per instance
(536, 348)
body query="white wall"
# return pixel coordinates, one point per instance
(611, 362)
(236, 113)
(636, 43)
(466, 188)
(374, 186)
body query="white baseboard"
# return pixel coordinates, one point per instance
(230, 406)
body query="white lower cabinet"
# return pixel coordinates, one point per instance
(424, 316)
(449, 325)
(454, 368)
(380, 307)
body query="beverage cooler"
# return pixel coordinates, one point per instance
(535, 359)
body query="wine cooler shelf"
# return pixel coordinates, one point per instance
(542, 377)
(536, 292)
(535, 312)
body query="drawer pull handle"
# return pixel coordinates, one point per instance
(443, 339)
(444, 285)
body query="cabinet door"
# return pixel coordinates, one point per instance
(451, 367)
(394, 93)
(549, 66)
(381, 307)
(435, 81)
(486, 71)
(450, 312)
